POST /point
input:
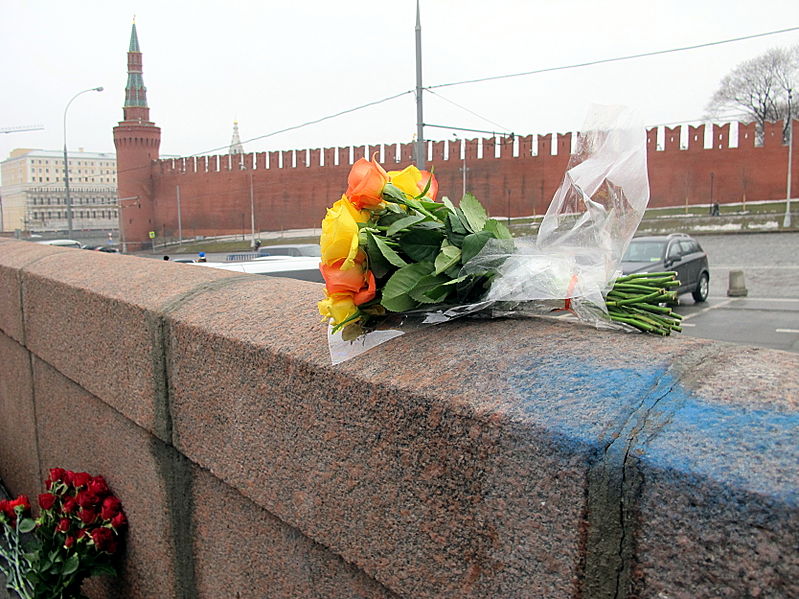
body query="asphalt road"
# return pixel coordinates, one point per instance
(769, 315)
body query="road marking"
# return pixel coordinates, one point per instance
(753, 267)
(687, 324)
(787, 330)
(713, 307)
(759, 299)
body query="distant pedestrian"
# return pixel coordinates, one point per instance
(716, 210)
(257, 244)
(201, 257)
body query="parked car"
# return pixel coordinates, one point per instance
(303, 268)
(102, 248)
(64, 243)
(298, 249)
(677, 252)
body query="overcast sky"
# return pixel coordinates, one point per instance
(272, 65)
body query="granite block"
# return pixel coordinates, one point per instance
(243, 551)
(80, 432)
(96, 318)
(454, 461)
(715, 477)
(19, 455)
(15, 255)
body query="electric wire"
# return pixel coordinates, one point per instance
(467, 110)
(308, 123)
(614, 59)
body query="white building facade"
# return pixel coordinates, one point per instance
(33, 196)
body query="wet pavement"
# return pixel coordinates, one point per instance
(769, 315)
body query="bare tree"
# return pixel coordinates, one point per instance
(760, 88)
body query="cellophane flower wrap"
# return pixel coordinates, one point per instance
(76, 535)
(394, 258)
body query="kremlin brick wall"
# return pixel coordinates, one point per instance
(290, 189)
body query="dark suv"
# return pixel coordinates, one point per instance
(677, 252)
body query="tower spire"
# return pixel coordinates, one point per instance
(135, 108)
(137, 141)
(235, 143)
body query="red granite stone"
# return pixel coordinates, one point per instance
(19, 458)
(15, 255)
(243, 551)
(437, 463)
(81, 433)
(96, 318)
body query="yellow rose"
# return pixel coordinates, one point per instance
(339, 239)
(337, 307)
(407, 180)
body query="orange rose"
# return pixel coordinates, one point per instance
(368, 294)
(431, 193)
(365, 184)
(353, 281)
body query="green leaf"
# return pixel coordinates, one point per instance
(455, 230)
(396, 296)
(103, 570)
(377, 263)
(422, 245)
(449, 256)
(71, 565)
(472, 244)
(499, 230)
(403, 223)
(393, 193)
(431, 290)
(448, 203)
(387, 252)
(474, 212)
(26, 525)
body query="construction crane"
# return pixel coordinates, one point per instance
(21, 128)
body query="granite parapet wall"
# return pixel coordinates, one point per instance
(508, 459)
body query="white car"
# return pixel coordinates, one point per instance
(303, 268)
(63, 243)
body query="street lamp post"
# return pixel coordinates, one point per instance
(787, 220)
(66, 159)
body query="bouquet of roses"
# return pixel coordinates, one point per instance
(391, 252)
(75, 536)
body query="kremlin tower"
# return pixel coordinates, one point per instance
(137, 140)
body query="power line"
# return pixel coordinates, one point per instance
(307, 123)
(615, 59)
(467, 110)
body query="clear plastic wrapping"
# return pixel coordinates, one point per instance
(573, 261)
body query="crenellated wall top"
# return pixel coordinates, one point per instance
(729, 136)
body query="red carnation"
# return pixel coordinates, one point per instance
(69, 542)
(119, 521)
(103, 539)
(82, 533)
(87, 515)
(98, 486)
(23, 502)
(111, 507)
(69, 505)
(81, 479)
(63, 525)
(46, 501)
(86, 499)
(57, 475)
